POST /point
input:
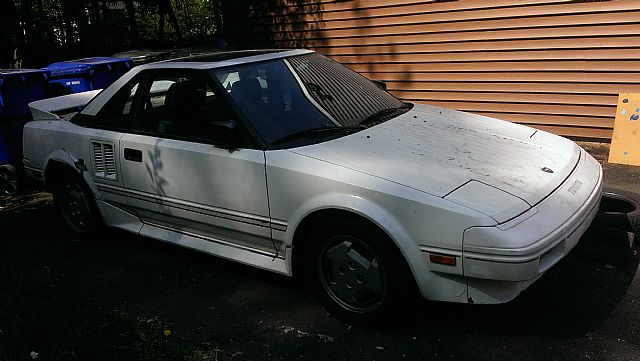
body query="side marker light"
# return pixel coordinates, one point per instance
(442, 259)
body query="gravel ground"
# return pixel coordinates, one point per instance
(615, 175)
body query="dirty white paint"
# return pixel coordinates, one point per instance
(506, 199)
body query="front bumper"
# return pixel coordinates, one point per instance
(500, 262)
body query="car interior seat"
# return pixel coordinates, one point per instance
(247, 91)
(182, 105)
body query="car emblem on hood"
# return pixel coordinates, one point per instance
(546, 170)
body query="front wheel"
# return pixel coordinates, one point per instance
(76, 205)
(357, 272)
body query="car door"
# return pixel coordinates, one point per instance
(101, 135)
(177, 173)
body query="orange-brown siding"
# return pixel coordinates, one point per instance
(555, 65)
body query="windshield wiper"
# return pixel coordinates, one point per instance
(318, 132)
(385, 114)
(323, 95)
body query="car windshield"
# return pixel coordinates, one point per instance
(322, 100)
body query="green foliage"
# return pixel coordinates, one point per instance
(147, 22)
(102, 25)
(196, 20)
(196, 17)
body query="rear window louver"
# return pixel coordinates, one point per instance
(346, 95)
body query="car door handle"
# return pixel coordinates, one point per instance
(134, 155)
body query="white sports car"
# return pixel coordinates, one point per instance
(288, 161)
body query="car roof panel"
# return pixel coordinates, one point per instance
(224, 59)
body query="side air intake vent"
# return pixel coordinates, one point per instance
(104, 160)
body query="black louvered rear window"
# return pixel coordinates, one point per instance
(346, 95)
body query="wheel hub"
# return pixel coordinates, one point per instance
(352, 275)
(75, 208)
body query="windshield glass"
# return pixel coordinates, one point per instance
(335, 100)
(271, 99)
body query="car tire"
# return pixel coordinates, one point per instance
(76, 204)
(9, 185)
(619, 209)
(357, 272)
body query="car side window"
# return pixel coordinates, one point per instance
(117, 112)
(181, 106)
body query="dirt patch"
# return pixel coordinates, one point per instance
(25, 201)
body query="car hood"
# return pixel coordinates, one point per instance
(437, 150)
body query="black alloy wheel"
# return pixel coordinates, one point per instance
(352, 274)
(77, 206)
(357, 272)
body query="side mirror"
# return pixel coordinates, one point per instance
(223, 132)
(381, 84)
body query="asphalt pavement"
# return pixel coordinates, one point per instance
(124, 297)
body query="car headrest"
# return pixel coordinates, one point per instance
(247, 74)
(247, 89)
(184, 95)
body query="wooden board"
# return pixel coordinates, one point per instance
(625, 143)
(556, 64)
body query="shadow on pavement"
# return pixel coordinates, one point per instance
(113, 297)
(570, 300)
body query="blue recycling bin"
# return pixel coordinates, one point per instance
(106, 70)
(19, 87)
(11, 177)
(11, 139)
(86, 74)
(5, 154)
(69, 76)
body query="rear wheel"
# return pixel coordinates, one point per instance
(357, 272)
(8, 180)
(75, 202)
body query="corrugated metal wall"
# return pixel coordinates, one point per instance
(554, 65)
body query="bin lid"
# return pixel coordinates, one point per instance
(85, 65)
(100, 61)
(143, 56)
(23, 74)
(67, 68)
(5, 73)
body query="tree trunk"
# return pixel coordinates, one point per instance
(165, 8)
(27, 20)
(133, 29)
(217, 13)
(11, 34)
(69, 16)
(83, 31)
